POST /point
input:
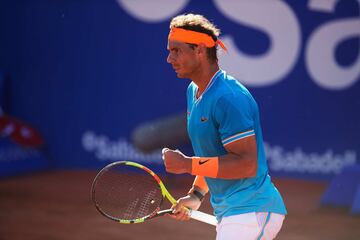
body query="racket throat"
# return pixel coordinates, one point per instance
(163, 212)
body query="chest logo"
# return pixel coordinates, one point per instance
(203, 119)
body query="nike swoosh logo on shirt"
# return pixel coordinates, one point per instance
(203, 119)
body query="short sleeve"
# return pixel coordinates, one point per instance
(234, 115)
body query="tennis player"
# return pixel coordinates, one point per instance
(225, 132)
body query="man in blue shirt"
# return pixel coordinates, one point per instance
(225, 132)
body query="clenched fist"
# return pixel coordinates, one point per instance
(176, 162)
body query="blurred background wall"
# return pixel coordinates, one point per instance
(88, 74)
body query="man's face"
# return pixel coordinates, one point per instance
(183, 59)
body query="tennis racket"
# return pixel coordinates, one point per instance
(128, 192)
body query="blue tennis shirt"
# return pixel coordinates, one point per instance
(224, 113)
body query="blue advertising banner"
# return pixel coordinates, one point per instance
(15, 160)
(93, 77)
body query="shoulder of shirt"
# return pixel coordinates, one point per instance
(229, 88)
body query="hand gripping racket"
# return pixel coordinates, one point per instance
(128, 192)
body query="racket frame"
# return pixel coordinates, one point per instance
(209, 219)
(165, 193)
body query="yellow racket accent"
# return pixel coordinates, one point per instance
(164, 191)
(167, 194)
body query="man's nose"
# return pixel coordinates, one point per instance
(169, 59)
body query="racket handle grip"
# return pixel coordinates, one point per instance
(203, 217)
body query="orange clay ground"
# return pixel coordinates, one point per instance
(56, 205)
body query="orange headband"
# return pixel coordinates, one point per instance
(188, 36)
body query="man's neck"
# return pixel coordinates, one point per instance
(203, 77)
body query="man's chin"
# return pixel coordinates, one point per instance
(180, 75)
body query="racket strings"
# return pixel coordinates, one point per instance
(127, 193)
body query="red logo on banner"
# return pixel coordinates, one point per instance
(20, 132)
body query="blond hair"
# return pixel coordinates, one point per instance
(195, 22)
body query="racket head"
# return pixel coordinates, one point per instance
(128, 192)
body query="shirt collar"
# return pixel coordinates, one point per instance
(211, 82)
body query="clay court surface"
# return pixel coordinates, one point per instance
(56, 205)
